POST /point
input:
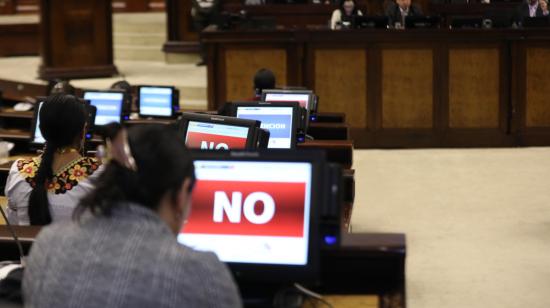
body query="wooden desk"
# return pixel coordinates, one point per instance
(11, 113)
(366, 264)
(412, 88)
(15, 134)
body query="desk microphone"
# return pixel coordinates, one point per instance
(14, 235)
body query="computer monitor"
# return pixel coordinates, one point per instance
(157, 101)
(422, 22)
(370, 22)
(38, 141)
(258, 212)
(280, 119)
(109, 104)
(466, 22)
(37, 138)
(208, 132)
(304, 97)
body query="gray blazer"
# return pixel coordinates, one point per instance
(130, 259)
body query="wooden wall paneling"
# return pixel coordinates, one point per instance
(537, 79)
(506, 88)
(476, 102)
(442, 88)
(341, 82)
(533, 104)
(413, 82)
(407, 88)
(474, 86)
(241, 64)
(295, 65)
(517, 87)
(374, 84)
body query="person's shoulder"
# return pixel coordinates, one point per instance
(198, 259)
(92, 164)
(23, 170)
(27, 167)
(77, 173)
(55, 230)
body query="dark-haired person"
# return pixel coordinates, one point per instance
(398, 10)
(48, 187)
(121, 250)
(264, 79)
(532, 8)
(344, 14)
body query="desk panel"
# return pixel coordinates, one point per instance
(537, 82)
(407, 88)
(341, 82)
(474, 77)
(411, 88)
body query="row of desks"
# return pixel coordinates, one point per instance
(368, 270)
(367, 263)
(332, 136)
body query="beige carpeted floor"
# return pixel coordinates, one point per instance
(477, 222)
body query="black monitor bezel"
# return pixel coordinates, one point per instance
(123, 106)
(251, 138)
(380, 22)
(272, 273)
(296, 115)
(174, 104)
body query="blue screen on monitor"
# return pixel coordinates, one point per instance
(277, 120)
(155, 101)
(38, 138)
(108, 104)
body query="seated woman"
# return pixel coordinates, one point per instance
(344, 14)
(48, 187)
(121, 249)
